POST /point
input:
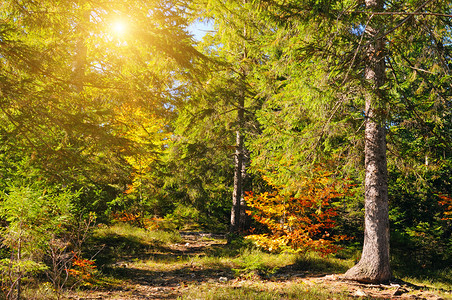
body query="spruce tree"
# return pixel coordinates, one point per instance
(335, 91)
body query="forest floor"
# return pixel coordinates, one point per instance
(183, 270)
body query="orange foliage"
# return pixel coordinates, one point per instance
(82, 269)
(446, 202)
(137, 219)
(133, 219)
(299, 223)
(153, 223)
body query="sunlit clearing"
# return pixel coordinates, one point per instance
(119, 27)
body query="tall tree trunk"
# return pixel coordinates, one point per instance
(374, 264)
(237, 193)
(238, 202)
(244, 218)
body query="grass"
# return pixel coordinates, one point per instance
(422, 270)
(263, 290)
(328, 264)
(246, 262)
(136, 234)
(439, 280)
(252, 257)
(134, 261)
(122, 241)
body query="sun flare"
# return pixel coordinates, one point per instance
(119, 27)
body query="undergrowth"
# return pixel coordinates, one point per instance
(152, 253)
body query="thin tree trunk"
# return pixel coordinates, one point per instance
(238, 201)
(19, 260)
(237, 194)
(374, 265)
(244, 218)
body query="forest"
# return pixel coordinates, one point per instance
(223, 149)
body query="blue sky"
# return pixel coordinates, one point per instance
(199, 29)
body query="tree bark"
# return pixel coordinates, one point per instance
(374, 266)
(237, 193)
(238, 202)
(244, 218)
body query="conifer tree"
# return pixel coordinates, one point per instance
(236, 101)
(332, 73)
(374, 263)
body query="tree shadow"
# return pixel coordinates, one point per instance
(169, 278)
(406, 264)
(312, 267)
(112, 248)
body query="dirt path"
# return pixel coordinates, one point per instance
(139, 280)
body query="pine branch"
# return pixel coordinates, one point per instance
(399, 13)
(417, 11)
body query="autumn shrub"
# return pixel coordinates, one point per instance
(445, 201)
(301, 221)
(82, 270)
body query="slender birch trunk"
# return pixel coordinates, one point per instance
(238, 203)
(237, 194)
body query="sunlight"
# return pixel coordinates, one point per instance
(119, 27)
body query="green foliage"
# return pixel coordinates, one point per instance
(200, 158)
(91, 109)
(40, 227)
(95, 198)
(252, 261)
(34, 214)
(184, 217)
(420, 218)
(200, 177)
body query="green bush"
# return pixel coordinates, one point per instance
(41, 234)
(184, 217)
